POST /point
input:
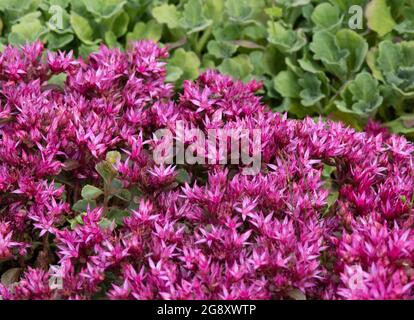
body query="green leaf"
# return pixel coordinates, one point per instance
(332, 198)
(258, 61)
(287, 85)
(123, 194)
(193, 19)
(396, 61)
(325, 48)
(356, 46)
(221, 49)
(110, 39)
(85, 50)
(187, 61)
(291, 64)
(113, 157)
(57, 41)
(274, 12)
(402, 125)
(294, 107)
(255, 32)
(104, 8)
(118, 215)
(173, 73)
(406, 27)
(326, 16)
(105, 170)
(389, 56)
(274, 61)
(344, 5)
(120, 24)
(116, 185)
(61, 3)
(293, 3)
(29, 17)
(208, 62)
(83, 205)
(10, 276)
(168, 14)
(105, 223)
(150, 30)
(213, 10)
(91, 192)
(227, 33)
(59, 80)
(372, 57)
(239, 10)
(78, 220)
(296, 294)
(379, 17)
(286, 40)
(82, 29)
(308, 65)
(361, 97)
(25, 31)
(311, 93)
(238, 67)
(183, 176)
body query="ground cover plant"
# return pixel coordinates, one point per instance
(329, 215)
(314, 57)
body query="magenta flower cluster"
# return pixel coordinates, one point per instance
(329, 216)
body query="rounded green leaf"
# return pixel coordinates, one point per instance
(25, 31)
(286, 40)
(168, 14)
(193, 19)
(117, 215)
(221, 49)
(111, 39)
(356, 45)
(379, 17)
(239, 67)
(83, 205)
(57, 41)
(82, 28)
(104, 8)
(150, 30)
(91, 192)
(326, 16)
(120, 24)
(85, 50)
(113, 157)
(187, 61)
(173, 73)
(105, 170)
(287, 85)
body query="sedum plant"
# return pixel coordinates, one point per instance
(82, 198)
(314, 57)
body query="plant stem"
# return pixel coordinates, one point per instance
(107, 194)
(329, 105)
(202, 41)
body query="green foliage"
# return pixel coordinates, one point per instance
(309, 59)
(90, 192)
(379, 17)
(83, 205)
